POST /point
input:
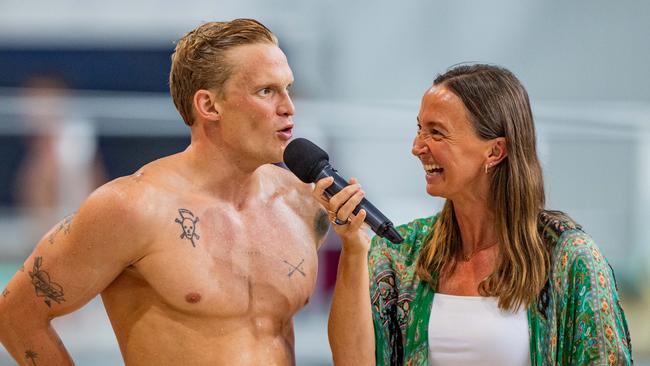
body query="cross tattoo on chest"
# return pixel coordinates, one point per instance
(295, 268)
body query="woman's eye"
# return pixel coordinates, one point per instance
(435, 134)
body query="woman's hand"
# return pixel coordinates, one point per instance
(339, 208)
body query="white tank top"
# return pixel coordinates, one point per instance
(472, 330)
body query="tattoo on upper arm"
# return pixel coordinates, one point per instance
(188, 224)
(295, 268)
(44, 286)
(64, 226)
(31, 355)
(5, 292)
(321, 224)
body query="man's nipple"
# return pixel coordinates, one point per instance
(193, 297)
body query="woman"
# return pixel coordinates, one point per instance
(494, 278)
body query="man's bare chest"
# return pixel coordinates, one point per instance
(212, 263)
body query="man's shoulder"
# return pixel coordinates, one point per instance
(285, 181)
(114, 200)
(293, 192)
(280, 172)
(131, 198)
(110, 217)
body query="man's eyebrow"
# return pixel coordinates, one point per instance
(273, 84)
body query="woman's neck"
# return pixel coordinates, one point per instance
(477, 226)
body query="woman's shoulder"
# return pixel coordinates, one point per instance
(553, 224)
(415, 234)
(418, 227)
(571, 247)
(576, 249)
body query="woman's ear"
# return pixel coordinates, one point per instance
(206, 105)
(498, 151)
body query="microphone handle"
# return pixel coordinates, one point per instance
(374, 218)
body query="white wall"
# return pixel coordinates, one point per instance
(562, 50)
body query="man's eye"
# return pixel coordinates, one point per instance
(265, 91)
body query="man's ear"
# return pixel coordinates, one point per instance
(498, 151)
(206, 105)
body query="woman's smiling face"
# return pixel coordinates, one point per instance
(451, 152)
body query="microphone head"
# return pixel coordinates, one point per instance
(305, 159)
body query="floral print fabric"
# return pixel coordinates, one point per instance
(576, 320)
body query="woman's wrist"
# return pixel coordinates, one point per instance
(353, 249)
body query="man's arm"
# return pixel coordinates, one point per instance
(73, 262)
(309, 208)
(321, 225)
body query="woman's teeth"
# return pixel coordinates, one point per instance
(432, 168)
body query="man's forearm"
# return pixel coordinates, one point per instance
(33, 345)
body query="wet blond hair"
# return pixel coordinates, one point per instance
(200, 59)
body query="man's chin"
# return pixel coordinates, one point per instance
(278, 156)
(275, 159)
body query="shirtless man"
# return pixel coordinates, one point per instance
(203, 257)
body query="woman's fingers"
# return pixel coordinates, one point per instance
(319, 191)
(357, 220)
(344, 212)
(342, 204)
(338, 200)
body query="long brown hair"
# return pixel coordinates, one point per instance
(498, 106)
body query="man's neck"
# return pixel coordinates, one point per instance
(222, 174)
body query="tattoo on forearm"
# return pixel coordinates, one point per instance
(62, 226)
(31, 355)
(188, 224)
(321, 223)
(5, 292)
(295, 268)
(44, 286)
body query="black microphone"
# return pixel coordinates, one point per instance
(310, 163)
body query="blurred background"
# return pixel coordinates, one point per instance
(84, 99)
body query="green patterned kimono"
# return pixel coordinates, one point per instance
(577, 319)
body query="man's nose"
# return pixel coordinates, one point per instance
(286, 107)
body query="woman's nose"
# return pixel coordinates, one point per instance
(419, 147)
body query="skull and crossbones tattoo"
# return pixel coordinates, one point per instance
(188, 223)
